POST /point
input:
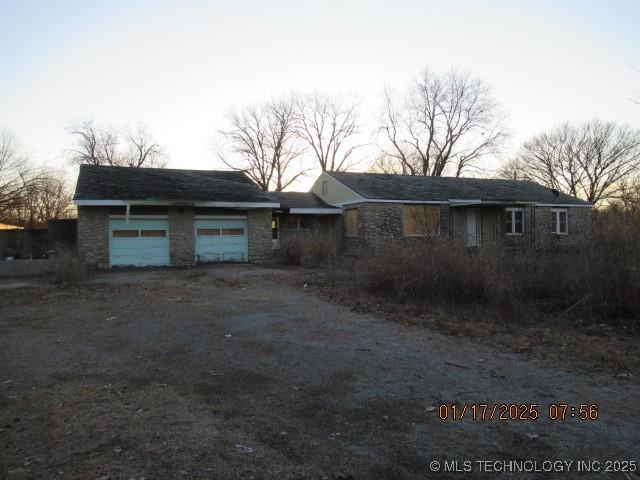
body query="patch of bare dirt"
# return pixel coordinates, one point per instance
(223, 373)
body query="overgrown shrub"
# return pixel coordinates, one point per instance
(69, 269)
(308, 248)
(600, 280)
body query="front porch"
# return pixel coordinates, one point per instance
(476, 226)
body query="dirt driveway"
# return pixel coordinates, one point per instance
(224, 373)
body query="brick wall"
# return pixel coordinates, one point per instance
(93, 236)
(259, 234)
(182, 248)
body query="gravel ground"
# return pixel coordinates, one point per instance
(223, 373)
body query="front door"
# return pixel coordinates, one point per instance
(473, 236)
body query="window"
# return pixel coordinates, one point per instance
(514, 221)
(420, 220)
(274, 228)
(209, 232)
(232, 231)
(153, 233)
(560, 221)
(351, 222)
(125, 233)
(325, 187)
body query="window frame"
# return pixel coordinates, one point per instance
(426, 234)
(152, 233)
(346, 222)
(325, 187)
(512, 211)
(229, 229)
(117, 233)
(555, 218)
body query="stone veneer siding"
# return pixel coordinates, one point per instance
(579, 230)
(259, 234)
(381, 223)
(93, 236)
(182, 248)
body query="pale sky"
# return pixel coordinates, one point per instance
(178, 66)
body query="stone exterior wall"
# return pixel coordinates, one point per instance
(93, 236)
(537, 228)
(182, 249)
(381, 223)
(259, 234)
(579, 230)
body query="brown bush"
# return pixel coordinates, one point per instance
(69, 269)
(308, 248)
(600, 280)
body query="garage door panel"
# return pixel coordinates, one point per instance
(221, 240)
(140, 242)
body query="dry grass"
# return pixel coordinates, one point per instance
(578, 305)
(69, 269)
(309, 248)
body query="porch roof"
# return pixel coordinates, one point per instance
(303, 202)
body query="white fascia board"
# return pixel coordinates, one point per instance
(140, 217)
(99, 203)
(238, 204)
(375, 200)
(220, 217)
(316, 211)
(562, 205)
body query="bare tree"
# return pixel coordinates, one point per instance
(261, 141)
(328, 124)
(14, 171)
(442, 124)
(29, 196)
(589, 160)
(125, 147)
(47, 195)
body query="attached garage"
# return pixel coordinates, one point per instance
(221, 240)
(138, 242)
(162, 216)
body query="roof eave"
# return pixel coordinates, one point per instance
(179, 203)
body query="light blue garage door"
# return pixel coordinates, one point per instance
(141, 242)
(221, 240)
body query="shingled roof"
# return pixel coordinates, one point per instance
(380, 186)
(298, 200)
(165, 184)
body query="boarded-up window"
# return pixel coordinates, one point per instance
(125, 233)
(208, 232)
(351, 222)
(153, 233)
(233, 231)
(420, 220)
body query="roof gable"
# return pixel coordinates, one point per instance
(164, 184)
(379, 186)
